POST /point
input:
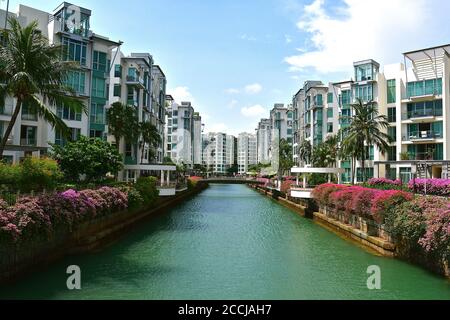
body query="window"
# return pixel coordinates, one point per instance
(364, 92)
(117, 71)
(100, 61)
(117, 90)
(330, 97)
(392, 114)
(28, 113)
(330, 113)
(392, 133)
(391, 98)
(330, 127)
(425, 87)
(318, 100)
(63, 112)
(97, 113)
(346, 97)
(77, 81)
(74, 51)
(425, 109)
(392, 153)
(28, 136)
(60, 140)
(98, 87)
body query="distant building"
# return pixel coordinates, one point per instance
(247, 154)
(264, 137)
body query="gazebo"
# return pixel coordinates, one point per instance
(304, 192)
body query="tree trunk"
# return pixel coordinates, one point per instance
(10, 127)
(363, 164)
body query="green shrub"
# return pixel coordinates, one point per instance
(135, 200)
(38, 174)
(9, 174)
(146, 186)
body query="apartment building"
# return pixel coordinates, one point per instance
(264, 139)
(247, 154)
(281, 121)
(417, 106)
(198, 130)
(68, 25)
(218, 152)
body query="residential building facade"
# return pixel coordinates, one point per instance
(264, 139)
(247, 154)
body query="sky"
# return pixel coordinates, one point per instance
(234, 59)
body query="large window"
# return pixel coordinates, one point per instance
(425, 109)
(346, 97)
(28, 135)
(100, 61)
(425, 87)
(392, 133)
(28, 113)
(77, 81)
(318, 100)
(97, 113)
(64, 112)
(75, 51)
(117, 90)
(364, 72)
(118, 71)
(365, 93)
(98, 87)
(391, 91)
(392, 114)
(330, 97)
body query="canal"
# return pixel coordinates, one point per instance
(230, 242)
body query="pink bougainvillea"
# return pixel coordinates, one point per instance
(384, 181)
(386, 199)
(438, 187)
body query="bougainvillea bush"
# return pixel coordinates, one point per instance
(360, 201)
(437, 187)
(286, 185)
(384, 181)
(36, 218)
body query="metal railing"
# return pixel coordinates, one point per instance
(422, 113)
(422, 135)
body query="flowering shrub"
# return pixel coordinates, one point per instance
(362, 201)
(192, 181)
(265, 181)
(438, 187)
(437, 234)
(386, 200)
(36, 217)
(321, 193)
(342, 199)
(286, 185)
(384, 181)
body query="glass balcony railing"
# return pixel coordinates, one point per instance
(424, 88)
(422, 135)
(422, 113)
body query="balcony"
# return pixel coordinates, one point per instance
(423, 90)
(421, 114)
(134, 80)
(425, 135)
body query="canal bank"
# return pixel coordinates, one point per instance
(229, 242)
(20, 259)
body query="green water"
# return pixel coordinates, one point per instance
(229, 242)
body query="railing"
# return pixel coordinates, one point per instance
(135, 79)
(424, 88)
(421, 135)
(422, 114)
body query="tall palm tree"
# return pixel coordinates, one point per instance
(150, 136)
(33, 73)
(123, 122)
(367, 129)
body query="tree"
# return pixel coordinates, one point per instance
(286, 162)
(150, 136)
(366, 129)
(33, 73)
(88, 157)
(123, 122)
(305, 151)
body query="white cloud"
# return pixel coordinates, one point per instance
(232, 91)
(365, 29)
(245, 36)
(253, 88)
(253, 111)
(181, 94)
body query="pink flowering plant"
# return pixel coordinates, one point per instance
(438, 187)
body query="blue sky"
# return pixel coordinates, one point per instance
(234, 59)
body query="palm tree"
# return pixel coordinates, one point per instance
(150, 136)
(366, 129)
(305, 151)
(33, 73)
(123, 122)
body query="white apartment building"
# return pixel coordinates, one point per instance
(184, 133)
(217, 150)
(68, 25)
(198, 130)
(264, 140)
(281, 121)
(247, 154)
